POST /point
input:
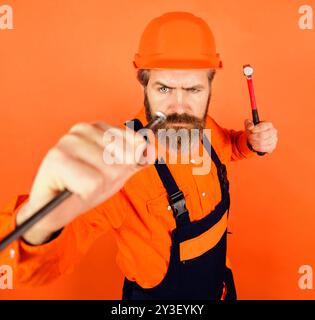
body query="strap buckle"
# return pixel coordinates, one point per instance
(178, 204)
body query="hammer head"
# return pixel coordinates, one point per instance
(160, 115)
(248, 70)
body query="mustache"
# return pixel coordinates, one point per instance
(182, 118)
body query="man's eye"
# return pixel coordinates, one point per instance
(164, 89)
(194, 90)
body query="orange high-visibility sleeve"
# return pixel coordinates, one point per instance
(240, 149)
(234, 141)
(41, 264)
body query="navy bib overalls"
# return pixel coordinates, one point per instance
(205, 276)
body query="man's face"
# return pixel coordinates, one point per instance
(183, 95)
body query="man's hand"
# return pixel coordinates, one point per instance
(263, 137)
(77, 163)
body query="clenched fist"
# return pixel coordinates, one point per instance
(262, 137)
(77, 163)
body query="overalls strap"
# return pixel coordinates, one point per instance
(176, 197)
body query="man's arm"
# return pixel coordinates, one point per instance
(239, 144)
(56, 242)
(36, 265)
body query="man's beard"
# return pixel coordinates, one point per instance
(186, 123)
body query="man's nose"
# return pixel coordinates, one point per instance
(179, 96)
(179, 104)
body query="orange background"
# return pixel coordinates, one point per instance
(68, 61)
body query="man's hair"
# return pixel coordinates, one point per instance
(143, 76)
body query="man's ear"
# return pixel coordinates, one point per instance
(211, 74)
(143, 76)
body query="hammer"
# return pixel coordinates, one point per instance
(248, 72)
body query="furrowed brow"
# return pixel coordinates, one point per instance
(158, 83)
(197, 86)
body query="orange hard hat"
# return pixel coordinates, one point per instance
(177, 40)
